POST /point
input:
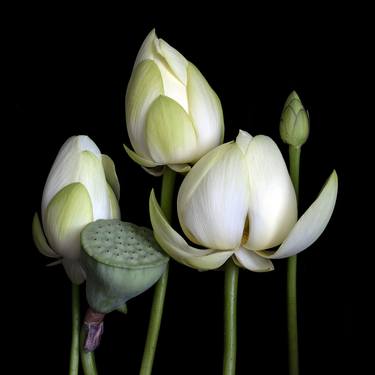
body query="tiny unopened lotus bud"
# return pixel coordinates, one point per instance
(294, 122)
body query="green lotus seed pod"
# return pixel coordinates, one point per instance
(121, 260)
(294, 122)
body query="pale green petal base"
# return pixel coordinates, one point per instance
(180, 168)
(74, 271)
(40, 239)
(149, 166)
(156, 171)
(139, 159)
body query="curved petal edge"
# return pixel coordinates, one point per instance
(252, 261)
(40, 240)
(311, 224)
(175, 246)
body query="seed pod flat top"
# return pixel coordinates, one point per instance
(121, 244)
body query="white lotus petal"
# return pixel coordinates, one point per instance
(85, 143)
(213, 199)
(170, 65)
(111, 175)
(311, 224)
(252, 261)
(173, 88)
(115, 208)
(272, 202)
(144, 87)
(67, 214)
(40, 239)
(170, 135)
(206, 111)
(178, 248)
(243, 140)
(147, 50)
(177, 62)
(89, 171)
(74, 271)
(64, 171)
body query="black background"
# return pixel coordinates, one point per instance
(69, 72)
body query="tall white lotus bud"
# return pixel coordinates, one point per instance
(173, 116)
(82, 187)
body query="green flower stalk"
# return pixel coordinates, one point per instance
(294, 131)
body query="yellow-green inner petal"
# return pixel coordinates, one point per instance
(170, 134)
(144, 87)
(67, 214)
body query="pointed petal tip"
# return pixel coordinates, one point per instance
(334, 176)
(311, 224)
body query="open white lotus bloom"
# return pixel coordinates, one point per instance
(239, 201)
(173, 116)
(82, 187)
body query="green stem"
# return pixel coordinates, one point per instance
(230, 318)
(167, 188)
(294, 162)
(87, 358)
(161, 286)
(74, 349)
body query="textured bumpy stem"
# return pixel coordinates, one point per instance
(294, 161)
(230, 318)
(87, 358)
(74, 349)
(161, 286)
(93, 326)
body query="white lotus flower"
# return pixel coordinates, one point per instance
(82, 187)
(239, 201)
(173, 116)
